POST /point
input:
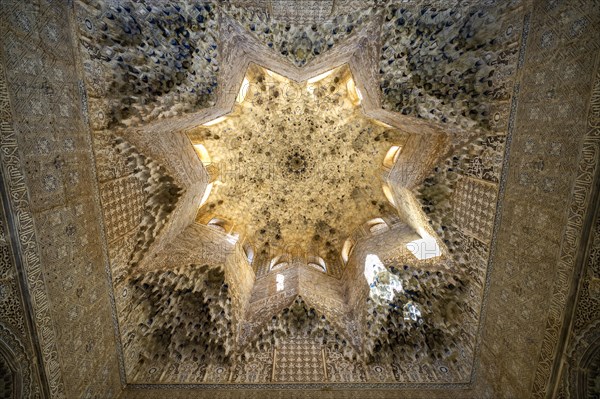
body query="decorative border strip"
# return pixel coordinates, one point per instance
(502, 188)
(102, 229)
(22, 229)
(305, 386)
(581, 193)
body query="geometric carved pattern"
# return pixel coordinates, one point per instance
(474, 212)
(14, 357)
(588, 304)
(291, 33)
(587, 168)
(474, 204)
(123, 203)
(258, 368)
(583, 378)
(299, 359)
(160, 196)
(11, 311)
(302, 12)
(340, 369)
(7, 388)
(47, 168)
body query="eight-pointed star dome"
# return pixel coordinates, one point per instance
(297, 166)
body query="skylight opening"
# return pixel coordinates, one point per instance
(353, 91)
(248, 252)
(233, 237)
(276, 76)
(317, 263)
(377, 225)
(217, 224)
(359, 95)
(279, 262)
(380, 123)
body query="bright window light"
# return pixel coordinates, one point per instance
(348, 244)
(233, 237)
(388, 194)
(214, 121)
(276, 76)
(249, 252)
(383, 284)
(353, 91)
(280, 280)
(380, 123)
(319, 77)
(392, 156)
(202, 153)
(206, 194)
(424, 248)
(243, 91)
(411, 311)
(359, 95)
(377, 225)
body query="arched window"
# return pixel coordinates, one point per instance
(388, 194)
(411, 311)
(215, 121)
(202, 153)
(322, 76)
(392, 156)
(248, 252)
(218, 224)
(280, 282)
(377, 225)
(243, 90)
(346, 249)
(234, 236)
(206, 194)
(279, 262)
(353, 91)
(318, 263)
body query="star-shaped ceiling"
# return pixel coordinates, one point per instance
(281, 214)
(297, 166)
(299, 162)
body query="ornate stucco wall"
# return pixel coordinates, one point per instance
(54, 201)
(56, 245)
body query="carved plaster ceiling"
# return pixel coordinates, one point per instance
(297, 166)
(259, 228)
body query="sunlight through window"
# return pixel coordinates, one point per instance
(280, 279)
